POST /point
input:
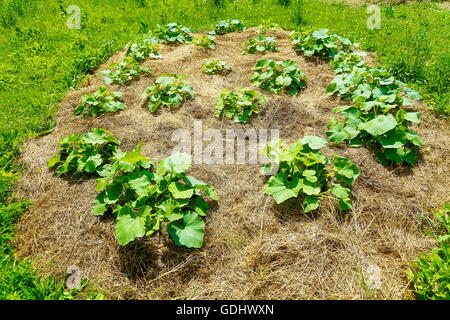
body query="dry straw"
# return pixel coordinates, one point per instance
(253, 248)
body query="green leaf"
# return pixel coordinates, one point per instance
(113, 191)
(393, 139)
(189, 232)
(177, 163)
(315, 143)
(129, 160)
(281, 190)
(380, 125)
(413, 117)
(346, 170)
(139, 184)
(170, 205)
(129, 226)
(414, 138)
(310, 188)
(200, 185)
(340, 192)
(201, 206)
(410, 157)
(310, 203)
(345, 204)
(100, 206)
(339, 132)
(54, 160)
(180, 191)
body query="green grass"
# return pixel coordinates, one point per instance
(41, 59)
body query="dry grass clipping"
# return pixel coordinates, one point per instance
(253, 248)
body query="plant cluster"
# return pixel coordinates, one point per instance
(171, 33)
(205, 41)
(227, 26)
(276, 76)
(140, 51)
(100, 102)
(127, 70)
(371, 84)
(260, 44)
(168, 90)
(305, 173)
(265, 28)
(375, 118)
(343, 62)
(145, 197)
(380, 126)
(87, 153)
(216, 67)
(239, 105)
(319, 43)
(430, 274)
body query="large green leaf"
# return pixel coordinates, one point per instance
(180, 191)
(129, 226)
(393, 139)
(315, 143)
(189, 232)
(177, 163)
(380, 125)
(281, 190)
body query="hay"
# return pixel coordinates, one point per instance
(253, 248)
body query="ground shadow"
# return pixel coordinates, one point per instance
(292, 211)
(150, 258)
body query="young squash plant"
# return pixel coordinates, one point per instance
(216, 67)
(363, 84)
(171, 33)
(276, 76)
(305, 173)
(267, 27)
(147, 48)
(227, 26)
(100, 102)
(382, 127)
(239, 105)
(145, 197)
(87, 153)
(344, 62)
(168, 90)
(430, 274)
(205, 41)
(260, 44)
(375, 119)
(320, 43)
(125, 71)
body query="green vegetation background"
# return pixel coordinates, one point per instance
(41, 59)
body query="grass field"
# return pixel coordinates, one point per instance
(42, 59)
